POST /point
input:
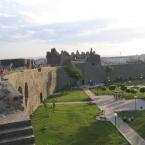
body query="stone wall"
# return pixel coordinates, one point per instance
(91, 72)
(28, 63)
(62, 79)
(35, 85)
(128, 71)
(58, 59)
(98, 74)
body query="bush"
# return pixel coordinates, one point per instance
(128, 90)
(103, 88)
(119, 79)
(123, 87)
(142, 90)
(133, 91)
(112, 87)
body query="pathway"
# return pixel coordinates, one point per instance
(109, 105)
(69, 103)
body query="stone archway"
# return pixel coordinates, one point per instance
(41, 98)
(26, 94)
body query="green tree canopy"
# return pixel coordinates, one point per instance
(73, 72)
(109, 69)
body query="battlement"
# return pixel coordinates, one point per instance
(64, 58)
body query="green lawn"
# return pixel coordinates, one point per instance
(73, 125)
(135, 82)
(131, 95)
(99, 91)
(70, 95)
(139, 120)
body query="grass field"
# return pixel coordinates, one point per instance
(139, 120)
(73, 125)
(99, 91)
(135, 82)
(70, 95)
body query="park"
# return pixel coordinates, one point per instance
(78, 119)
(76, 103)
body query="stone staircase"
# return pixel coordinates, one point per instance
(17, 133)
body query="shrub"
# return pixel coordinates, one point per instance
(119, 79)
(133, 91)
(128, 90)
(123, 87)
(112, 87)
(142, 90)
(103, 88)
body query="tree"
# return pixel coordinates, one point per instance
(109, 69)
(74, 72)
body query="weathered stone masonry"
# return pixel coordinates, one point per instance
(34, 85)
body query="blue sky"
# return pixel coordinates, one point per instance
(29, 28)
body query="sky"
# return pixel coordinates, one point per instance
(29, 28)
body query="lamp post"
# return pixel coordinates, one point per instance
(108, 81)
(141, 76)
(115, 115)
(135, 97)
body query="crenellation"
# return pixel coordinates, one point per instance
(64, 58)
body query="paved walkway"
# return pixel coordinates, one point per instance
(69, 103)
(109, 105)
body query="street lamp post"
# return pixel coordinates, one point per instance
(141, 76)
(115, 115)
(135, 97)
(108, 81)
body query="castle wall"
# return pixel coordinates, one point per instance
(128, 71)
(16, 63)
(63, 80)
(34, 85)
(91, 72)
(97, 73)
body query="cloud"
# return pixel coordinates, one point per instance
(117, 35)
(44, 32)
(71, 23)
(85, 31)
(14, 28)
(23, 2)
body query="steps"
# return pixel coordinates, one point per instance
(17, 133)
